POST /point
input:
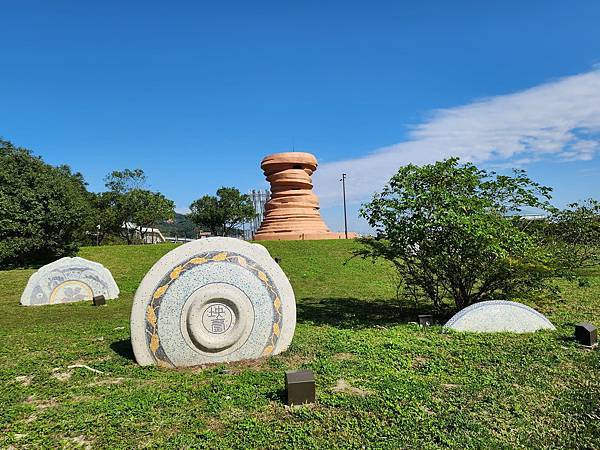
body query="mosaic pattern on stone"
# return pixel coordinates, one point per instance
(499, 316)
(69, 280)
(217, 310)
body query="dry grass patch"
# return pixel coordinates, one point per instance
(419, 361)
(344, 387)
(25, 380)
(344, 357)
(109, 381)
(80, 441)
(450, 386)
(41, 404)
(62, 376)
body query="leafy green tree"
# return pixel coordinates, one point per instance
(44, 208)
(223, 213)
(145, 209)
(106, 219)
(129, 209)
(446, 228)
(123, 181)
(574, 232)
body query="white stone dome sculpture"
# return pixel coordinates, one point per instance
(499, 316)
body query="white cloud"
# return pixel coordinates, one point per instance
(559, 119)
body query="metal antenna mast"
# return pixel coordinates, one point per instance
(343, 180)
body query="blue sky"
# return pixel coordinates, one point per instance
(196, 93)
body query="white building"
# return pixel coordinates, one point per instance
(151, 235)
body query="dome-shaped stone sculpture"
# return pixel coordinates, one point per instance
(69, 280)
(499, 316)
(212, 300)
(292, 213)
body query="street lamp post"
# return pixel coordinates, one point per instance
(343, 180)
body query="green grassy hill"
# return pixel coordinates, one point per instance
(381, 382)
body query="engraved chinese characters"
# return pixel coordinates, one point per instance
(217, 318)
(69, 280)
(212, 300)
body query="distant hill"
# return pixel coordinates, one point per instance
(181, 226)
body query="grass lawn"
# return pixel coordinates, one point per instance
(381, 382)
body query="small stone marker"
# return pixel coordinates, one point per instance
(499, 316)
(586, 334)
(209, 301)
(300, 387)
(69, 280)
(425, 320)
(99, 300)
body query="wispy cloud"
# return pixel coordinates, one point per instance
(558, 120)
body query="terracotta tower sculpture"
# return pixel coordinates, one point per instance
(292, 213)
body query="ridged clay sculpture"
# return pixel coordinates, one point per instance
(292, 213)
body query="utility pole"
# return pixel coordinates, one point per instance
(343, 180)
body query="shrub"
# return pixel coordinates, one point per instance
(446, 227)
(575, 233)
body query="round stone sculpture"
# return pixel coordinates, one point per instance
(69, 280)
(212, 300)
(499, 316)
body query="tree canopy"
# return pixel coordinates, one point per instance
(223, 213)
(123, 181)
(44, 208)
(447, 229)
(130, 209)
